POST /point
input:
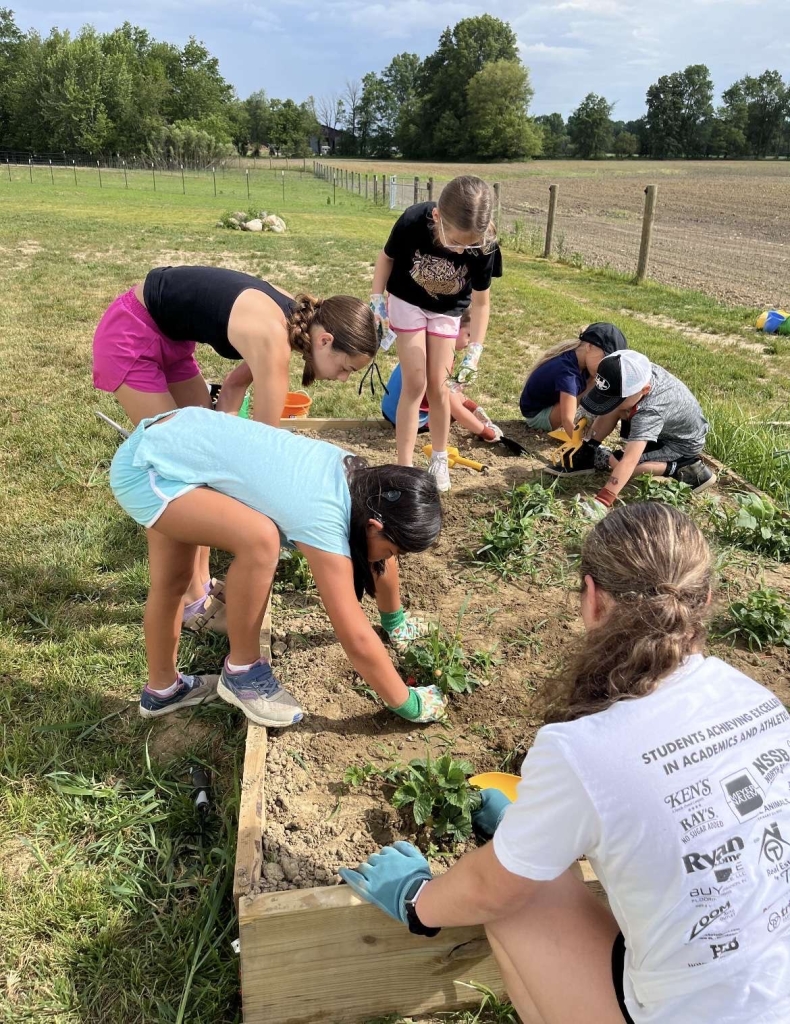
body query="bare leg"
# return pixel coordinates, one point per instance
(141, 405)
(412, 358)
(207, 517)
(440, 352)
(171, 564)
(555, 956)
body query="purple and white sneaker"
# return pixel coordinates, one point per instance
(192, 690)
(259, 695)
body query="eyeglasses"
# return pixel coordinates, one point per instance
(456, 245)
(369, 375)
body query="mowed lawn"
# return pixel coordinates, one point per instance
(115, 900)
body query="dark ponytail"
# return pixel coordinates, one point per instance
(404, 500)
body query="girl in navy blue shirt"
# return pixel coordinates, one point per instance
(565, 372)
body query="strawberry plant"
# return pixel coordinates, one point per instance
(762, 619)
(757, 524)
(438, 795)
(672, 492)
(440, 661)
(293, 572)
(512, 539)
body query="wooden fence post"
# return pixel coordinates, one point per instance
(375, 189)
(416, 189)
(430, 190)
(366, 186)
(550, 220)
(497, 205)
(384, 189)
(647, 232)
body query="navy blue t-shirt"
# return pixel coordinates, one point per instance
(543, 387)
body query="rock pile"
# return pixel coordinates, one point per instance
(241, 221)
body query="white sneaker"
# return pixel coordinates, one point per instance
(440, 471)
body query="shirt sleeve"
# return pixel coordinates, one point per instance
(397, 240)
(553, 821)
(484, 268)
(569, 383)
(646, 425)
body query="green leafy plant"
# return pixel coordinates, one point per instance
(441, 661)
(757, 524)
(672, 492)
(293, 572)
(512, 539)
(358, 774)
(762, 619)
(438, 795)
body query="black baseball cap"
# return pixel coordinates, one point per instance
(604, 336)
(619, 376)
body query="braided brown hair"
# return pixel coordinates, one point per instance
(349, 320)
(655, 565)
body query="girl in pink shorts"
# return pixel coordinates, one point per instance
(143, 351)
(438, 261)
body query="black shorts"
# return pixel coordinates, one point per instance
(618, 967)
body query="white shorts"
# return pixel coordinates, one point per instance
(407, 319)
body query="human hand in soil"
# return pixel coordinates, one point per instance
(386, 877)
(490, 812)
(424, 704)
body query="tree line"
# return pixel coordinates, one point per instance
(128, 94)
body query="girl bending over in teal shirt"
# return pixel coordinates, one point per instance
(196, 477)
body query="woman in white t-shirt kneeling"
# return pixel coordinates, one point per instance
(670, 771)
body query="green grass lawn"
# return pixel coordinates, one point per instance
(115, 902)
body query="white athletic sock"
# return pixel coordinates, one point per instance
(239, 668)
(439, 456)
(169, 691)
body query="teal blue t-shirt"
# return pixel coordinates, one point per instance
(298, 482)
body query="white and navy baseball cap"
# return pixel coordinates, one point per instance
(619, 376)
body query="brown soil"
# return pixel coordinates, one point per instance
(315, 823)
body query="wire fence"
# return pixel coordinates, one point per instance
(222, 180)
(144, 162)
(719, 231)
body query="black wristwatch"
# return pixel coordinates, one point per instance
(416, 927)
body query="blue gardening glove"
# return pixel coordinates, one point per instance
(490, 812)
(385, 877)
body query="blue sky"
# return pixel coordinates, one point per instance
(613, 47)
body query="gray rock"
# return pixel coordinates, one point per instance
(241, 216)
(274, 223)
(290, 867)
(273, 872)
(253, 225)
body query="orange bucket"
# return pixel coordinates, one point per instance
(297, 404)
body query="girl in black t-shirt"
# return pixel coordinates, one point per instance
(438, 261)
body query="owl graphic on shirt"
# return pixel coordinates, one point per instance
(438, 276)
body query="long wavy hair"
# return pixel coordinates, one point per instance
(653, 562)
(404, 500)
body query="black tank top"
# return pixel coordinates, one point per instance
(194, 303)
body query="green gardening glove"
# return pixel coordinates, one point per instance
(424, 704)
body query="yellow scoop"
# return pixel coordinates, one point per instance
(454, 458)
(497, 780)
(571, 444)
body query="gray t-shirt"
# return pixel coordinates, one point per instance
(670, 415)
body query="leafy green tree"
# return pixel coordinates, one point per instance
(497, 124)
(555, 135)
(680, 113)
(11, 40)
(759, 108)
(626, 144)
(290, 127)
(443, 78)
(376, 118)
(590, 127)
(257, 109)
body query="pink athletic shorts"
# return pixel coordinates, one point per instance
(128, 348)
(405, 319)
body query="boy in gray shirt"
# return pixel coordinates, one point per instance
(663, 426)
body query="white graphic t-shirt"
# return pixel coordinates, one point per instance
(681, 802)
